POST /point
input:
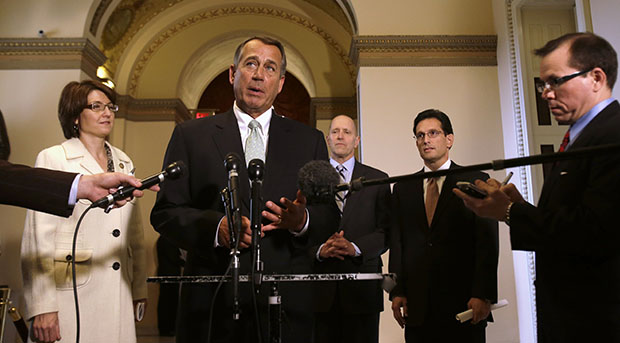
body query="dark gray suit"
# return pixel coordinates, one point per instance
(187, 212)
(355, 306)
(441, 267)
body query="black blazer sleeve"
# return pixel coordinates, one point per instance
(36, 188)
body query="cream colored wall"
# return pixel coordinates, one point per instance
(417, 17)
(57, 18)
(29, 102)
(605, 23)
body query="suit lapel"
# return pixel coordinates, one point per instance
(75, 150)
(352, 199)
(418, 203)
(228, 139)
(596, 125)
(277, 149)
(446, 193)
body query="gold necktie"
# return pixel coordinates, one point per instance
(432, 195)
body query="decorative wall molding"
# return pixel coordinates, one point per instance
(50, 53)
(214, 13)
(520, 123)
(152, 109)
(425, 50)
(94, 24)
(328, 108)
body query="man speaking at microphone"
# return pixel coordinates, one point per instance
(189, 211)
(574, 229)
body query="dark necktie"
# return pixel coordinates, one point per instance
(432, 195)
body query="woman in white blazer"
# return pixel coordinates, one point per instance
(110, 255)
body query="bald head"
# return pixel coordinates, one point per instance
(342, 138)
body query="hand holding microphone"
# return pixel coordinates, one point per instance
(173, 171)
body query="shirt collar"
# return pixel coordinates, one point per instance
(582, 122)
(348, 164)
(243, 119)
(446, 165)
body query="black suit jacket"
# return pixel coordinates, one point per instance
(365, 220)
(447, 264)
(574, 232)
(188, 210)
(35, 188)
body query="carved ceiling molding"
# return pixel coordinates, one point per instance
(215, 13)
(425, 50)
(143, 12)
(94, 24)
(152, 109)
(50, 53)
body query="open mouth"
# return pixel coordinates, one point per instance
(255, 90)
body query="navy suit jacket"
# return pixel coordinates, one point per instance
(36, 188)
(574, 232)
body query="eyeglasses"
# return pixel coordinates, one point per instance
(555, 83)
(430, 134)
(100, 107)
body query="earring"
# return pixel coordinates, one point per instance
(76, 129)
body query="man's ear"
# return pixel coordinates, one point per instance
(600, 79)
(231, 74)
(450, 138)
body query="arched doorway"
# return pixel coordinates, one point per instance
(292, 102)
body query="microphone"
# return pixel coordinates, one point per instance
(256, 173)
(256, 169)
(172, 171)
(231, 162)
(319, 181)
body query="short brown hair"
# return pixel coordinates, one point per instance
(73, 99)
(587, 51)
(267, 41)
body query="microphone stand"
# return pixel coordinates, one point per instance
(359, 183)
(234, 251)
(255, 172)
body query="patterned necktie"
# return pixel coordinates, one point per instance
(565, 141)
(340, 196)
(254, 147)
(432, 195)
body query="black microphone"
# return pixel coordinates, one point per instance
(172, 171)
(232, 164)
(319, 181)
(256, 170)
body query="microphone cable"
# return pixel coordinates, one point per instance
(73, 272)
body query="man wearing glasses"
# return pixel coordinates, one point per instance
(574, 229)
(445, 256)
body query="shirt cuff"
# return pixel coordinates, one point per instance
(318, 253)
(217, 233)
(358, 252)
(305, 228)
(74, 190)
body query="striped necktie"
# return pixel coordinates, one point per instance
(341, 196)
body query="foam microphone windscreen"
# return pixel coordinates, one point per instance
(317, 180)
